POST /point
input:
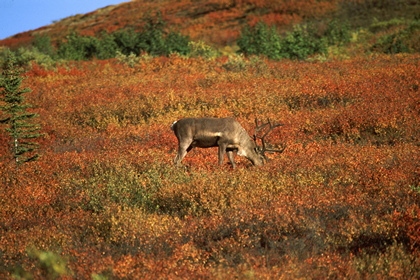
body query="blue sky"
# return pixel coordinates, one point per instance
(17, 16)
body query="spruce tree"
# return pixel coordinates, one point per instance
(13, 112)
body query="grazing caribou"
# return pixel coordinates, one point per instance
(225, 133)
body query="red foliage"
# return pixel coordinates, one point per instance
(340, 202)
(208, 20)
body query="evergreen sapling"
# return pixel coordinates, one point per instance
(14, 113)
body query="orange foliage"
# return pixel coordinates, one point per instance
(340, 202)
(201, 20)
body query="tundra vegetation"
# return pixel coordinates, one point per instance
(106, 202)
(341, 201)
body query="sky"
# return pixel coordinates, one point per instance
(18, 16)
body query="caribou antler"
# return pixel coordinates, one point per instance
(259, 127)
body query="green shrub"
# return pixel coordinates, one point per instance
(297, 44)
(301, 43)
(51, 265)
(24, 56)
(78, 47)
(107, 46)
(177, 43)
(42, 43)
(153, 39)
(126, 41)
(260, 40)
(338, 32)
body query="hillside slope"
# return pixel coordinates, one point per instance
(219, 21)
(105, 202)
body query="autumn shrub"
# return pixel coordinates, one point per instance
(400, 40)
(395, 261)
(363, 13)
(201, 49)
(126, 112)
(131, 60)
(118, 183)
(236, 63)
(340, 202)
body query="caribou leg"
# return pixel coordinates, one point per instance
(183, 149)
(222, 150)
(230, 157)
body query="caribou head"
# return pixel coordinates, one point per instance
(226, 134)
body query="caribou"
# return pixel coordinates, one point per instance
(225, 133)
